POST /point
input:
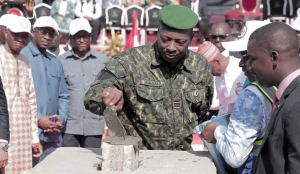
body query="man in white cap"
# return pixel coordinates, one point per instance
(18, 85)
(50, 85)
(81, 65)
(239, 142)
(55, 48)
(4, 21)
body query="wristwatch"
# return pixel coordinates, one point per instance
(4, 147)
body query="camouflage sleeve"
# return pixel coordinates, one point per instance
(209, 87)
(111, 76)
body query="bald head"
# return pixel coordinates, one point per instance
(278, 37)
(219, 33)
(221, 26)
(273, 51)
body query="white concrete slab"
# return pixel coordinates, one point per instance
(81, 161)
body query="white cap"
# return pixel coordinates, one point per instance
(20, 24)
(295, 25)
(241, 44)
(6, 19)
(78, 25)
(46, 21)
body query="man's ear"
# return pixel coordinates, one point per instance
(5, 33)
(274, 59)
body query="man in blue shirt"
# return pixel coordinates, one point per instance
(50, 86)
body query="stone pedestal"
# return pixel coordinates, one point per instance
(119, 154)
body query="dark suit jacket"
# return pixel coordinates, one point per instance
(280, 152)
(4, 119)
(202, 8)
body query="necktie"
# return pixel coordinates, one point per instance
(275, 101)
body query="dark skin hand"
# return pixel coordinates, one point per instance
(112, 97)
(88, 18)
(49, 126)
(38, 150)
(29, 7)
(2, 2)
(208, 132)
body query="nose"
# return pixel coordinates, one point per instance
(47, 36)
(218, 39)
(241, 63)
(172, 47)
(81, 39)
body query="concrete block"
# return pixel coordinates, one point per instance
(119, 154)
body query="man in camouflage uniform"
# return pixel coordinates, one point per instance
(164, 89)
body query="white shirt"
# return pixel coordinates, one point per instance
(194, 8)
(61, 51)
(88, 9)
(215, 102)
(229, 85)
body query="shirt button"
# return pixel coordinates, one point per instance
(48, 84)
(83, 74)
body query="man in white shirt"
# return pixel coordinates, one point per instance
(92, 11)
(229, 79)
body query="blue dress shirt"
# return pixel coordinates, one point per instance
(50, 86)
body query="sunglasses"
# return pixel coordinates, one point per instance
(84, 37)
(222, 37)
(243, 55)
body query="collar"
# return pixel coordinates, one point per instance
(71, 54)
(286, 82)
(35, 51)
(158, 60)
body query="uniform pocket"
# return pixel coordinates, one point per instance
(150, 103)
(195, 96)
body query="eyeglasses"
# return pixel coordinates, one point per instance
(244, 55)
(17, 35)
(222, 37)
(45, 33)
(84, 37)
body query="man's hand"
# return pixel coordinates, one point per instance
(112, 97)
(38, 149)
(3, 157)
(2, 2)
(29, 7)
(59, 123)
(88, 18)
(208, 132)
(48, 125)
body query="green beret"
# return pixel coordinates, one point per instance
(178, 17)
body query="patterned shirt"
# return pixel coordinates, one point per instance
(18, 85)
(248, 122)
(162, 104)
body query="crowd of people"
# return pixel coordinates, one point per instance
(53, 96)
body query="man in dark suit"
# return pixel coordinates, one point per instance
(4, 128)
(273, 51)
(200, 8)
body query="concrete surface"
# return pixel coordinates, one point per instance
(68, 160)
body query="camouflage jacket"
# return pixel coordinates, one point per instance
(161, 105)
